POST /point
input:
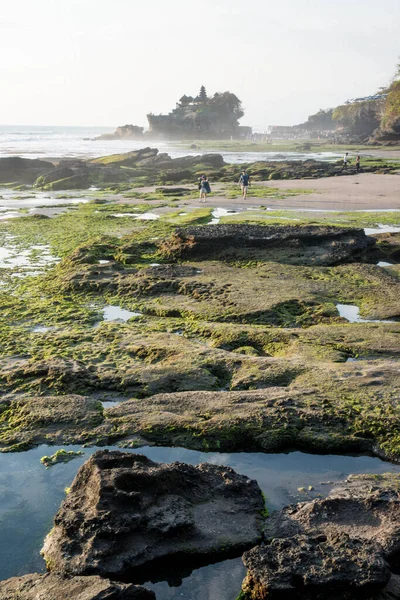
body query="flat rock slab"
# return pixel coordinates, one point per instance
(318, 244)
(343, 546)
(54, 587)
(125, 511)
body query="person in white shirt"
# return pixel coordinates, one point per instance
(346, 161)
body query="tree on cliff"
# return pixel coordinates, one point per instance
(359, 118)
(391, 112)
(230, 101)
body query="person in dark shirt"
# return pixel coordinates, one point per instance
(204, 188)
(244, 181)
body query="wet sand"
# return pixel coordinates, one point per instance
(353, 192)
(366, 191)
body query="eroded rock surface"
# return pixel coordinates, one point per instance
(365, 507)
(53, 587)
(312, 244)
(332, 566)
(342, 546)
(125, 512)
(27, 421)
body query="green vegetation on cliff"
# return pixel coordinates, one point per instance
(202, 116)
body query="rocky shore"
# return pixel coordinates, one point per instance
(346, 546)
(149, 167)
(225, 337)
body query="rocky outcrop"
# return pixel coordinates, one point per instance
(22, 170)
(124, 132)
(314, 244)
(343, 546)
(54, 587)
(146, 163)
(125, 512)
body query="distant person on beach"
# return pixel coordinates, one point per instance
(358, 166)
(346, 161)
(244, 181)
(204, 188)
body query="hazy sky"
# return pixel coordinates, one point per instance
(109, 62)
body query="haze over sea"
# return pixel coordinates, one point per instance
(55, 142)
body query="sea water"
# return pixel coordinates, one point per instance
(49, 142)
(30, 496)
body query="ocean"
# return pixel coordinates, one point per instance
(78, 142)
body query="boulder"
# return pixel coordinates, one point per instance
(53, 587)
(22, 170)
(127, 159)
(342, 546)
(125, 512)
(64, 178)
(365, 506)
(315, 568)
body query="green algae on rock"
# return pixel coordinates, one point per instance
(59, 457)
(258, 315)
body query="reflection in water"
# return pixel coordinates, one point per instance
(381, 229)
(30, 496)
(217, 213)
(221, 581)
(115, 313)
(351, 312)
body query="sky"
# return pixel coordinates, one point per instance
(102, 62)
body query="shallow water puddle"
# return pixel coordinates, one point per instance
(110, 404)
(138, 216)
(116, 313)
(217, 213)
(382, 263)
(11, 257)
(11, 200)
(381, 229)
(352, 314)
(30, 496)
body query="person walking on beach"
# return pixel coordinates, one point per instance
(244, 181)
(358, 166)
(204, 188)
(346, 161)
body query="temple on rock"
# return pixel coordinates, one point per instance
(214, 117)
